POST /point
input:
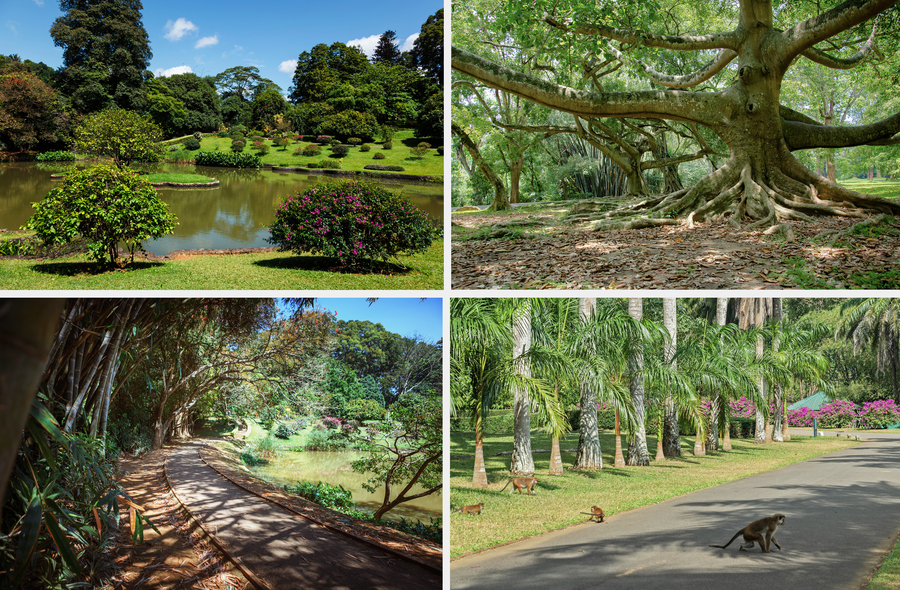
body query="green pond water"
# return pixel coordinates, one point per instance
(334, 468)
(231, 215)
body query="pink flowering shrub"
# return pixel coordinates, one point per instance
(743, 408)
(879, 414)
(802, 417)
(353, 221)
(330, 422)
(837, 414)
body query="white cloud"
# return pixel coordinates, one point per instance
(178, 29)
(161, 73)
(39, 2)
(207, 41)
(11, 25)
(408, 44)
(367, 44)
(288, 67)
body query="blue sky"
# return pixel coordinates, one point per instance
(404, 316)
(207, 37)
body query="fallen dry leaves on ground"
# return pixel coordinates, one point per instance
(556, 255)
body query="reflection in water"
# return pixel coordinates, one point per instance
(334, 468)
(232, 215)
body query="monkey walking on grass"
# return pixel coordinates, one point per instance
(596, 512)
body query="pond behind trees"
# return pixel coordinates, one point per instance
(232, 215)
(334, 468)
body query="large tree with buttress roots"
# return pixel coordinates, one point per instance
(761, 182)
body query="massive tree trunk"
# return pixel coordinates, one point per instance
(501, 196)
(637, 448)
(588, 455)
(522, 462)
(761, 183)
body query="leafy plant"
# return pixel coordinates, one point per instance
(324, 139)
(365, 147)
(421, 149)
(106, 205)
(387, 145)
(378, 156)
(384, 167)
(311, 150)
(226, 159)
(354, 140)
(59, 156)
(353, 221)
(198, 135)
(124, 136)
(879, 414)
(191, 143)
(340, 150)
(326, 440)
(330, 164)
(284, 431)
(237, 146)
(337, 497)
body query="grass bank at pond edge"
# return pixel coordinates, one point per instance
(560, 499)
(262, 270)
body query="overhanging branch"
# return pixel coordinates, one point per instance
(804, 136)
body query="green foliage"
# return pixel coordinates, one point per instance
(340, 150)
(337, 497)
(364, 409)
(330, 164)
(261, 148)
(60, 156)
(365, 147)
(421, 149)
(124, 136)
(311, 150)
(387, 146)
(237, 146)
(264, 448)
(349, 123)
(355, 222)
(383, 167)
(378, 156)
(326, 440)
(191, 143)
(227, 160)
(354, 140)
(284, 431)
(64, 502)
(125, 435)
(18, 246)
(198, 135)
(106, 205)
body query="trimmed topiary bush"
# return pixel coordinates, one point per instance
(378, 156)
(365, 147)
(353, 221)
(105, 205)
(330, 164)
(387, 145)
(354, 141)
(311, 150)
(324, 139)
(384, 167)
(237, 146)
(227, 160)
(421, 149)
(191, 143)
(340, 150)
(55, 157)
(261, 149)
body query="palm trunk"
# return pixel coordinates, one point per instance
(556, 466)
(479, 477)
(637, 449)
(588, 455)
(620, 458)
(712, 435)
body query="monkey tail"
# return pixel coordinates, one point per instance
(509, 481)
(736, 535)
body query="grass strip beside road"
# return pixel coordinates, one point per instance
(560, 499)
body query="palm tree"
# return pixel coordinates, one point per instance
(671, 438)
(754, 311)
(875, 322)
(637, 448)
(522, 462)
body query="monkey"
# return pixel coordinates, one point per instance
(472, 509)
(522, 483)
(754, 532)
(596, 512)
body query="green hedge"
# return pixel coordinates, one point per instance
(225, 159)
(55, 157)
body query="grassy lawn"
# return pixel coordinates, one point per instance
(886, 189)
(179, 178)
(560, 499)
(431, 164)
(262, 271)
(888, 575)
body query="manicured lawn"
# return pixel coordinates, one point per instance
(886, 189)
(262, 271)
(179, 178)
(560, 499)
(431, 164)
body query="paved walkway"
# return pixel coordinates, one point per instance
(284, 550)
(843, 513)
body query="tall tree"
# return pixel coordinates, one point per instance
(875, 322)
(671, 440)
(522, 462)
(387, 52)
(755, 311)
(106, 51)
(428, 48)
(762, 182)
(589, 455)
(31, 113)
(637, 447)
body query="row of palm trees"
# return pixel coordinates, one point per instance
(547, 351)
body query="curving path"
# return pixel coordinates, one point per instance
(843, 514)
(281, 549)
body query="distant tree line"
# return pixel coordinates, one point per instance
(336, 89)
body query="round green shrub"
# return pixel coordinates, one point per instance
(421, 149)
(59, 156)
(378, 156)
(440, 150)
(105, 205)
(388, 145)
(330, 164)
(340, 150)
(311, 150)
(261, 149)
(365, 147)
(354, 140)
(223, 134)
(354, 221)
(237, 146)
(324, 139)
(191, 143)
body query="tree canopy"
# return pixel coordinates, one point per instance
(719, 67)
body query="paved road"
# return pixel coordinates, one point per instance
(843, 512)
(285, 550)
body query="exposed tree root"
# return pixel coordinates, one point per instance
(833, 235)
(741, 195)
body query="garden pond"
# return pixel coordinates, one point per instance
(290, 467)
(231, 215)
